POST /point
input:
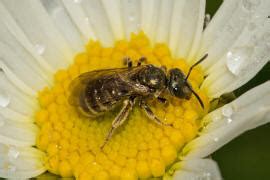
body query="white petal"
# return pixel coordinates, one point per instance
(149, 17)
(113, 9)
(177, 12)
(177, 23)
(40, 31)
(16, 111)
(14, 79)
(237, 41)
(190, 30)
(97, 17)
(216, 30)
(197, 169)
(19, 35)
(197, 36)
(131, 15)
(17, 133)
(63, 22)
(17, 57)
(13, 99)
(10, 114)
(164, 21)
(20, 162)
(250, 110)
(80, 18)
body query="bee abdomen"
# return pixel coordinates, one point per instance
(101, 97)
(95, 106)
(86, 108)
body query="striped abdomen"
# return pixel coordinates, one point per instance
(103, 94)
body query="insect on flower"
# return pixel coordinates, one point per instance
(99, 91)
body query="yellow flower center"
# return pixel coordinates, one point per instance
(140, 148)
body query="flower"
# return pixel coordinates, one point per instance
(40, 131)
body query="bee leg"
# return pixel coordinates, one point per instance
(127, 61)
(151, 115)
(162, 100)
(129, 64)
(141, 60)
(120, 119)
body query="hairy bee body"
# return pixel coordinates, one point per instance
(97, 92)
(104, 94)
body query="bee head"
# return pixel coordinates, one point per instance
(177, 84)
(153, 77)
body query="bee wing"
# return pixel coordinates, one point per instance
(78, 85)
(92, 75)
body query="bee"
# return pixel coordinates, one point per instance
(97, 92)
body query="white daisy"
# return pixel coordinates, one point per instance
(40, 131)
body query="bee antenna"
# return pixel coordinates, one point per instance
(194, 65)
(198, 97)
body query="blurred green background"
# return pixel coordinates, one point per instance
(248, 156)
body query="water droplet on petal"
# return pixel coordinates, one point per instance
(216, 139)
(216, 118)
(13, 153)
(207, 175)
(40, 49)
(236, 59)
(229, 120)
(4, 99)
(227, 110)
(87, 22)
(131, 18)
(250, 5)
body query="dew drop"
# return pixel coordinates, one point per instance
(236, 59)
(131, 18)
(86, 20)
(227, 111)
(13, 153)
(40, 49)
(250, 5)
(229, 120)
(216, 139)
(216, 117)
(207, 175)
(4, 99)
